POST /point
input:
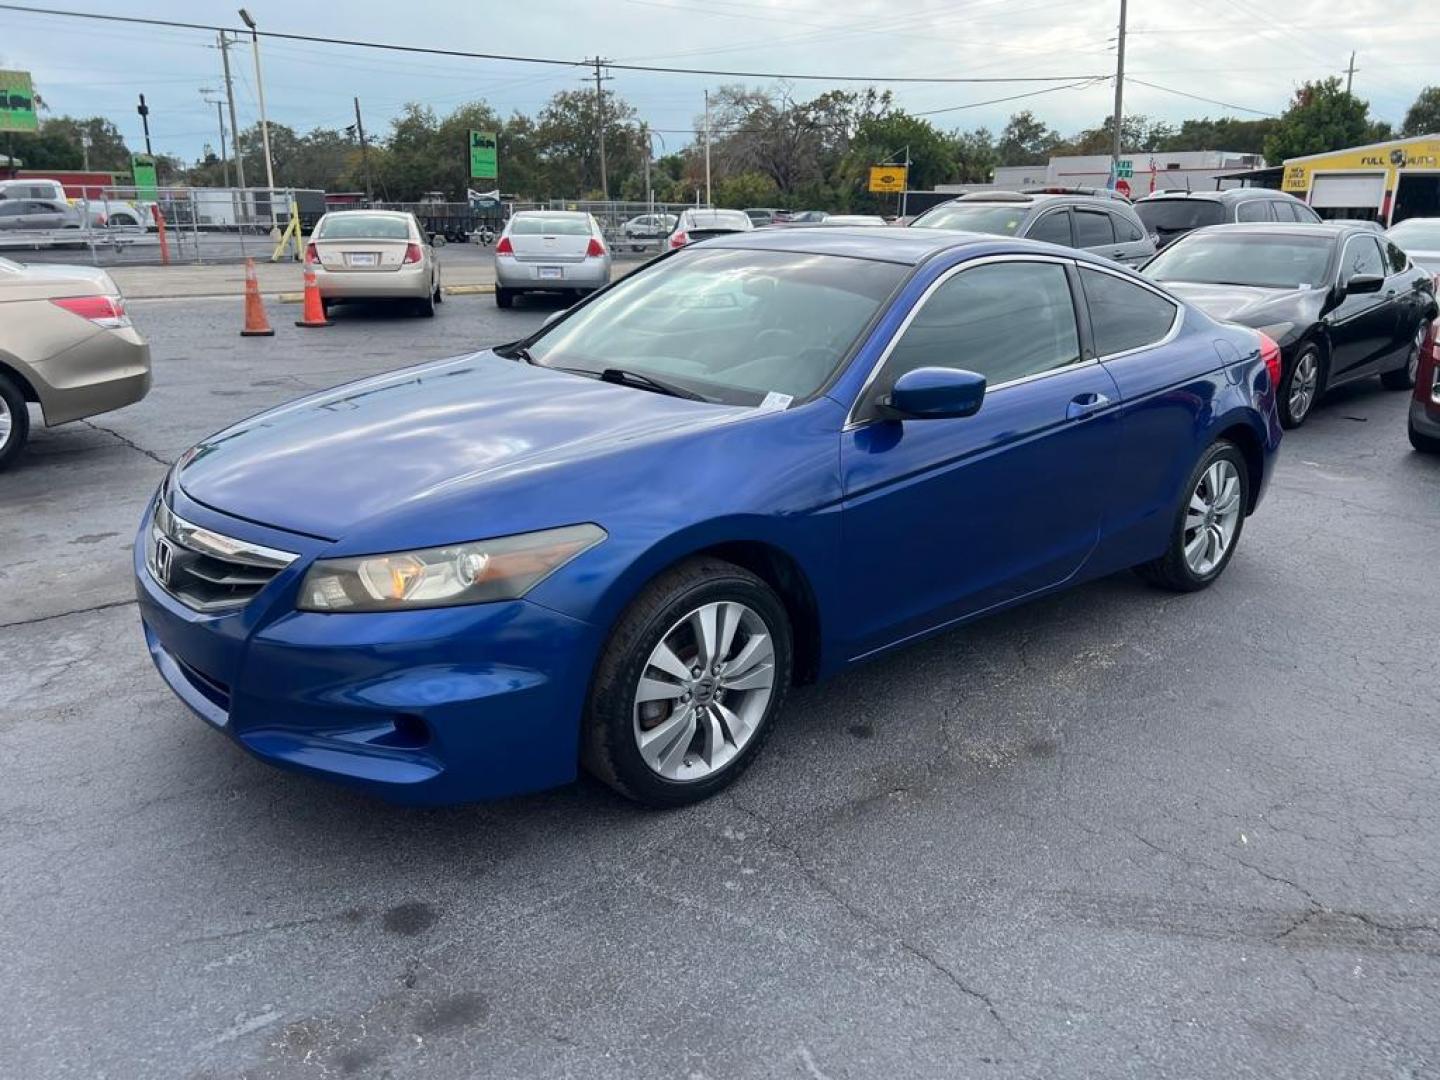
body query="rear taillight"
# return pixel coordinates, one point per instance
(678, 240)
(595, 249)
(504, 247)
(413, 253)
(1270, 353)
(312, 255)
(106, 311)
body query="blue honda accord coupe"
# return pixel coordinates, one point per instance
(751, 463)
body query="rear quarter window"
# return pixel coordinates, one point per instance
(1124, 315)
(1254, 210)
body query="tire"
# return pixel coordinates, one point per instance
(325, 307)
(426, 308)
(14, 422)
(1403, 377)
(1426, 444)
(667, 611)
(504, 298)
(1179, 572)
(439, 293)
(1295, 406)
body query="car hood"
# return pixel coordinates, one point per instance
(324, 465)
(1240, 303)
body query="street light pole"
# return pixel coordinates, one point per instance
(264, 123)
(220, 116)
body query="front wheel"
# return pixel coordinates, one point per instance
(1426, 444)
(688, 684)
(1403, 378)
(14, 421)
(1208, 525)
(1300, 388)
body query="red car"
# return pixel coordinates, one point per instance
(1425, 405)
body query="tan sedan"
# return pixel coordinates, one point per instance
(66, 345)
(373, 255)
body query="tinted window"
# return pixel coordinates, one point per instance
(976, 217)
(1283, 211)
(730, 325)
(1397, 258)
(1245, 258)
(1124, 315)
(1093, 229)
(550, 225)
(1127, 231)
(353, 226)
(1254, 210)
(1305, 214)
(1004, 320)
(1167, 217)
(1362, 256)
(1053, 228)
(11, 209)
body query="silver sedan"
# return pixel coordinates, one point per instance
(550, 251)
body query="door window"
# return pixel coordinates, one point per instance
(1124, 315)
(1396, 258)
(1093, 229)
(1254, 210)
(1053, 228)
(1126, 231)
(1362, 256)
(1004, 320)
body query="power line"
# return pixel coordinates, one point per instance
(1094, 81)
(554, 61)
(1197, 97)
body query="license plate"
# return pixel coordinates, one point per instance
(364, 258)
(552, 273)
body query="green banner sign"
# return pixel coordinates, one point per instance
(17, 102)
(1124, 169)
(483, 156)
(142, 172)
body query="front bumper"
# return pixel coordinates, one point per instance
(511, 273)
(426, 707)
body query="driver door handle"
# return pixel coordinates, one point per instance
(1083, 405)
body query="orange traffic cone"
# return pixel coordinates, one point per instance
(314, 313)
(256, 324)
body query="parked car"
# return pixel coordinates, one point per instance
(750, 463)
(1420, 239)
(1424, 419)
(550, 251)
(868, 221)
(1169, 215)
(763, 215)
(38, 214)
(1096, 223)
(1342, 302)
(640, 232)
(52, 191)
(67, 346)
(697, 225)
(367, 255)
(800, 217)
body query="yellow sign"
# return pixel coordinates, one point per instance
(887, 179)
(1386, 157)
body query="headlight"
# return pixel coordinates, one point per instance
(474, 573)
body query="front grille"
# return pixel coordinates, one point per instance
(206, 570)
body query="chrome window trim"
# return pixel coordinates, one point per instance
(1175, 324)
(209, 542)
(851, 422)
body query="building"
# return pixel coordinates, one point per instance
(1142, 173)
(1385, 182)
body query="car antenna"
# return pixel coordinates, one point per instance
(1187, 186)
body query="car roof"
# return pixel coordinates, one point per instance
(1032, 199)
(907, 246)
(1271, 228)
(1227, 195)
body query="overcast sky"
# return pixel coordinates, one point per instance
(1239, 51)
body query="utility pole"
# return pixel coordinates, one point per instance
(645, 139)
(1350, 73)
(707, 149)
(1119, 119)
(230, 97)
(219, 115)
(600, 114)
(364, 152)
(85, 148)
(144, 111)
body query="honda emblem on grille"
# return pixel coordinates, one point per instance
(164, 560)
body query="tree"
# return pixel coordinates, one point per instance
(1026, 141)
(975, 155)
(1322, 116)
(1423, 117)
(1138, 135)
(1226, 133)
(59, 145)
(885, 138)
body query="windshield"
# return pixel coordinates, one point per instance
(550, 225)
(732, 326)
(1422, 234)
(1267, 261)
(354, 226)
(1168, 216)
(975, 217)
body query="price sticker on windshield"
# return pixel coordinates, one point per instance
(775, 401)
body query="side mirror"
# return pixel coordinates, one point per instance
(1364, 283)
(936, 393)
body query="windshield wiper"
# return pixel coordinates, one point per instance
(625, 377)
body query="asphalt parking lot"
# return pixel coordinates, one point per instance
(1114, 833)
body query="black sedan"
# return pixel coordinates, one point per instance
(1342, 301)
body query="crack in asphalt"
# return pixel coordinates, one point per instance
(128, 442)
(867, 918)
(107, 605)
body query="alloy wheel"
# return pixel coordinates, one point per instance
(7, 423)
(704, 691)
(1303, 385)
(1211, 517)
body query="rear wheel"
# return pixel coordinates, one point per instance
(1301, 387)
(504, 297)
(1426, 444)
(688, 684)
(1403, 378)
(14, 421)
(1208, 524)
(426, 307)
